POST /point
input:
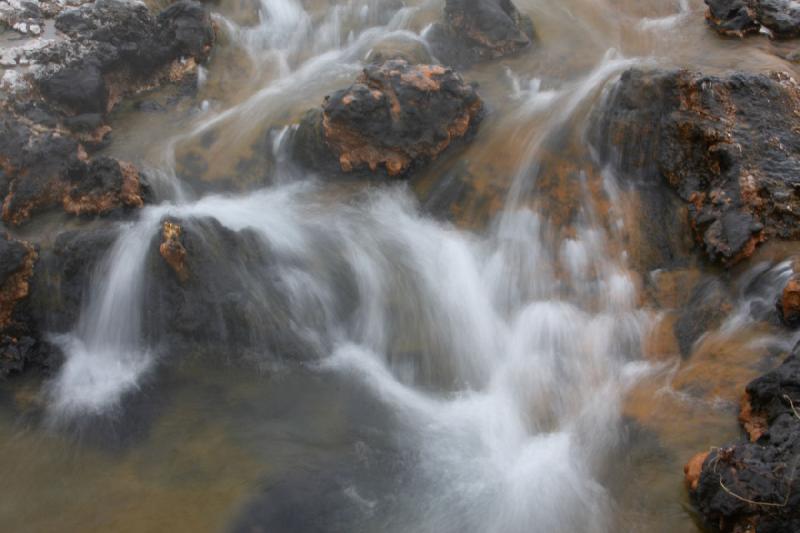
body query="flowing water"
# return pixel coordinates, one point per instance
(484, 349)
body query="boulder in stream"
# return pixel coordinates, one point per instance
(117, 48)
(20, 345)
(778, 18)
(214, 290)
(727, 145)
(479, 30)
(754, 484)
(395, 117)
(44, 169)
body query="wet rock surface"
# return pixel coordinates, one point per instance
(118, 48)
(394, 118)
(705, 310)
(737, 18)
(753, 485)
(20, 343)
(64, 274)
(193, 304)
(788, 303)
(479, 30)
(727, 145)
(46, 168)
(111, 49)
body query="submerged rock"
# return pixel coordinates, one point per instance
(727, 145)
(779, 18)
(395, 117)
(705, 311)
(754, 485)
(479, 30)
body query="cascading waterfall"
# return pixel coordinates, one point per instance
(522, 343)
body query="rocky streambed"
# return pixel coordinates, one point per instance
(384, 266)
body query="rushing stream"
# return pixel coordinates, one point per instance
(482, 367)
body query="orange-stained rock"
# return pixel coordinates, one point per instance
(17, 270)
(394, 117)
(172, 249)
(20, 341)
(51, 169)
(753, 422)
(789, 301)
(100, 186)
(693, 469)
(727, 145)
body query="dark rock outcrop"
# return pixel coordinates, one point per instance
(46, 169)
(63, 277)
(214, 290)
(113, 49)
(395, 117)
(20, 343)
(780, 18)
(754, 485)
(117, 48)
(727, 145)
(788, 303)
(479, 30)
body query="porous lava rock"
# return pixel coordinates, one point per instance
(112, 48)
(42, 169)
(394, 118)
(737, 18)
(479, 30)
(753, 484)
(117, 48)
(20, 346)
(727, 145)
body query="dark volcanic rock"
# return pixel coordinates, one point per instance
(212, 289)
(732, 17)
(80, 87)
(114, 48)
(101, 186)
(754, 486)
(479, 30)
(727, 145)
(396, 116)
(63, 276)
(781, 18)
(44, 170)
(117, 48)
(20, 344)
